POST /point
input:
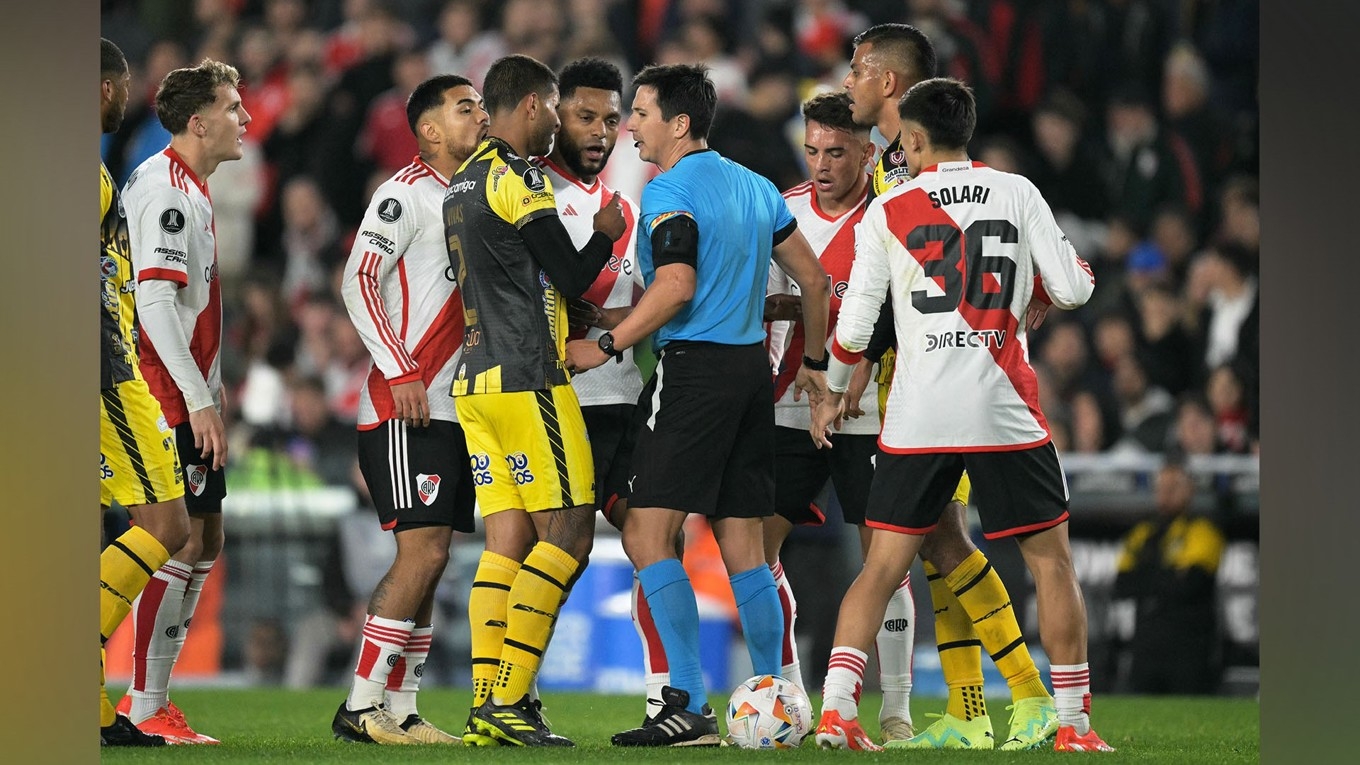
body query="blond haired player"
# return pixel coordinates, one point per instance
(174, 251)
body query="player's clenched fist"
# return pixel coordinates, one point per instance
(609, 220)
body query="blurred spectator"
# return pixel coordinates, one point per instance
(1068, 172)
(1228, 400)
(286, 20)
(703, 40)
(1239, 212)
(1231, 321)
(1169, 567)
(961, 48)
(1145, 411)
(1167, 351)
(311, 241)
(1192, 117)
(386, 140)
(1113, 338)
(1195, 431)
(1092, 48)
(1173, 231)
(265, 76)
(371, 37)
(349, 366)
(1145, 267)
(314, 440)
(756, 135)
(264, 652)
(1089, 433)
(296, 147)
(462, 47)
(1004, 153)
(1145, 167)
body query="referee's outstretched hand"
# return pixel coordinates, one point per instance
(609, 220)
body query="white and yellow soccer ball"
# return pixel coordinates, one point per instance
(768, 712)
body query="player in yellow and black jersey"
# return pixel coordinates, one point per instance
(526, 438)
(138, 464)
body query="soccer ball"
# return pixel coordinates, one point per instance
(768, 712)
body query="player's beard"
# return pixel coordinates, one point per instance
(575, 157)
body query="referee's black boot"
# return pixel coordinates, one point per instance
(674, 725)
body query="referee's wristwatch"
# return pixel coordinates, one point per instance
(606, 343)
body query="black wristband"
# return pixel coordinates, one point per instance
(817, 366)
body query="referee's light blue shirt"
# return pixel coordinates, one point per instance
(738, 213)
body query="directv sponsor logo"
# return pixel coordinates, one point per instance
(980, 338)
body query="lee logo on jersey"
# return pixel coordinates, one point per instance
(427, 486)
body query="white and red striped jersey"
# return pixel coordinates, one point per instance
(833, 240)
(170, 223)
(619, 283)
(402, 296)
(959, 247)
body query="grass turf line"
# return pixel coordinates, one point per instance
(271, 725)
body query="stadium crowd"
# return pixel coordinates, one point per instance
(1135, 118)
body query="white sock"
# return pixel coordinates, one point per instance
(1072, 695)
(191, 595)
(156, 640)
(896, 644)
(404, 681)
(844, 681)
(658, 673)
(791, 669)
(380, 649)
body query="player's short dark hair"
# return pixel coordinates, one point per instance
(682, 89)
(430, 94)
(112, 62)
(944, 107)
(908, 49)
(185, 92)
(833, 110)
(590, 72)
(513, 77)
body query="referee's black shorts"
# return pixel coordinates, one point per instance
(706, 440)
(613, 433)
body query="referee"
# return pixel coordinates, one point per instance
(707, 231)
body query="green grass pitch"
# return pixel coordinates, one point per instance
(293, 727)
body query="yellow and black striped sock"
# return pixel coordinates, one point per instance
(125, 567)
(983, 595)
(535, 599)
(486, 613)
(106, 710)
(960, 650)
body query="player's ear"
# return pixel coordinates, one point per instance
(681, 125)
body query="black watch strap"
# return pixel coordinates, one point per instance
(606, 343)
(817, 366)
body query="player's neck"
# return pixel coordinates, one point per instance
(441, 162)
(192, 155)
(517, 140)
(678, 152)
(838, 206)
(889, 124)
(932, 157)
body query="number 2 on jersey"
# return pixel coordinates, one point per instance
(970, 254)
